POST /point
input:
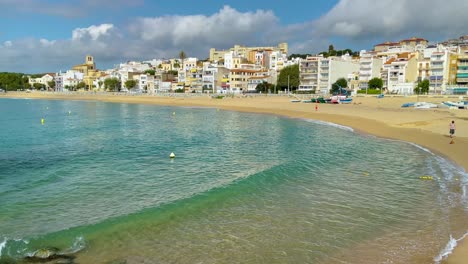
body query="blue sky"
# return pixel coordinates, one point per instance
(52, 35)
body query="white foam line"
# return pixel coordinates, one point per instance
(451, 245)
(329, 124)
(2, 245)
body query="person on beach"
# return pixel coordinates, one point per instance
(452, 128)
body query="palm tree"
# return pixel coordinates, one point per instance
(182, 57)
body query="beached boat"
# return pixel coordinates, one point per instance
(459, 105)
(346, 101)
(424, 105)
(318, 100)
(408, 105)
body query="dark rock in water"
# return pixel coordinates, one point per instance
(50, 255)
(44, 253)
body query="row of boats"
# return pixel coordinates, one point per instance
(336, 99)
(448, 104)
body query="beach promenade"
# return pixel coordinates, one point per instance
(382, 117)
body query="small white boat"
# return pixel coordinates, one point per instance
(424, 105)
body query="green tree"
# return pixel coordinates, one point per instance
(51, 84)
(264, 87)
(375, 83)
(150, 72)
(81, 85)
(130, 84)
(113, 84)
(293, 73)
(38, 86)
(340, 84)
(422, 87)
(12, 81)
(175, 73)
(100, 83)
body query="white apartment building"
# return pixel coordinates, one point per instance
(308, 73)
(189, 64)
(439, 71)
(71, 78)
(233, 60)
(134, 66)
(209, 79)
(369, 67)
(317, 73)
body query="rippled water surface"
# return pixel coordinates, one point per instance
(96, 178)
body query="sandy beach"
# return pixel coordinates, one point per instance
(367, 114)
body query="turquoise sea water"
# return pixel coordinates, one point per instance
(96, 179)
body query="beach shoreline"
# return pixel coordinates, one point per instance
(379, 117)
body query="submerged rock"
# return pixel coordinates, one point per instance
(44, 253)
(50, 255)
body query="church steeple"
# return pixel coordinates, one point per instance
(90, 61)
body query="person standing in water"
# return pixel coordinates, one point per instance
(452, 128)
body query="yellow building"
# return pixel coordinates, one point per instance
(90, 73)
(453, 68)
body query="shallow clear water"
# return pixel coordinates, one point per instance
(244, 188)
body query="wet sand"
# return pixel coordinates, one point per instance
(367, 114)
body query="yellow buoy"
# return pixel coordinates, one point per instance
(366, 174)
(172, 155)
(42, 120)
(425, 177)
(173, 113)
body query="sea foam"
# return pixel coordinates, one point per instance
(452, 243)
(330, 124)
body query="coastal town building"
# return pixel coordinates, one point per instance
(462, 69)
(400, 73)
(317, 73)
(43, 80)
(369, 67)
(90, 73)
(252, 54)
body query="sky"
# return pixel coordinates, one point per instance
(38, 36)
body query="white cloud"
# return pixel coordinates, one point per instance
(357, 23)
(393, 19)
(46, 42)
(92, 32)
(222, 28)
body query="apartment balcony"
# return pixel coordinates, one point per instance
(462, 71)
(462, 64)
(309, 77)
(462, 80)
(364, 74)
(308, 72)
(365, 68)
(435, 77)
(437, 66)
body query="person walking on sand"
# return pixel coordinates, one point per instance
(452, 128)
